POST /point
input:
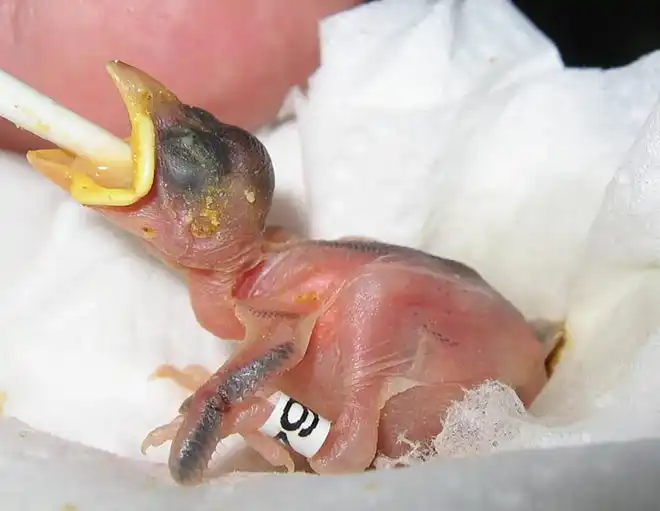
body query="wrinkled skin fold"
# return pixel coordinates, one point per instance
(377, 338)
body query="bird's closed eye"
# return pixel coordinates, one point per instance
(190, 158)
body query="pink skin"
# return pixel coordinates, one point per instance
(236, 59)
(378, 339)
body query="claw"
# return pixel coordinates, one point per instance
(160, 435)
(108, 183)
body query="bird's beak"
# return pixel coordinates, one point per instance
(107, 183)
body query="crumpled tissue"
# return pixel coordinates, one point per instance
(451, 126)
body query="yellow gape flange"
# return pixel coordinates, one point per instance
(108, 183)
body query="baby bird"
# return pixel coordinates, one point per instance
(376, 339)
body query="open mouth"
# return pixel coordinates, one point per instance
(113, 181)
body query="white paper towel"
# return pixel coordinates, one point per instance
(450, 126)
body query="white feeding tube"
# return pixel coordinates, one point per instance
(42, 116)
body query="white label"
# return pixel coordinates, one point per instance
(296, 426)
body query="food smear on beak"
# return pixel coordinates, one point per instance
(113, 182)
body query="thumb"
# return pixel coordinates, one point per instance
(235, 59)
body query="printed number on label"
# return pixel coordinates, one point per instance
(294, 419)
